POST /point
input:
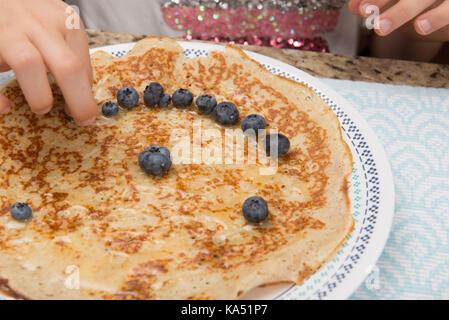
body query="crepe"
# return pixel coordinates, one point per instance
(103, 229)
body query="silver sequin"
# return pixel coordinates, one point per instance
(307, 5)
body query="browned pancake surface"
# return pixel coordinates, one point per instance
(181, 235)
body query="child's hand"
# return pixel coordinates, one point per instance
(434, 21)
(34, 37)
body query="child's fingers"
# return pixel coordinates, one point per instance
(30, 71)
(400, 14)
(78, 42)
(3, 66)
(70, 73)
(5, 104)
(354, 6)
(433, 20)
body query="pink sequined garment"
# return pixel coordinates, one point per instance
(294, 24)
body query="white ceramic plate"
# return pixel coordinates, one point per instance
(371, 191)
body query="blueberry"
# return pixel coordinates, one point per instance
(278, 141)
(154, 163)
(255, 209)
(153, 94)
(254, 122)
(226, 113)
(182, 98)
(154, 149)
(109, 109)
(127, 97)
(206, 103)
(20, 211)
(165, 101)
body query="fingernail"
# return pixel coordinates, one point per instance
(86, 123)
(363, 9)
(385, 26)
(44, 111)
(425, 26)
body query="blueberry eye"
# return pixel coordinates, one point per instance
(255, 209)
(155, 160)
(157, 149)
(20, 211)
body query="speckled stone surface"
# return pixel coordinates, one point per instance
(329, 65)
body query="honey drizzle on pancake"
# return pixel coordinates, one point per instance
(84, 183)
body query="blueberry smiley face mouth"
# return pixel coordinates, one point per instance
(127, 97)
(110, 109)
(226, 113)
(165, 101)
(276, 144)
(156, 160)
(153, 94)
(182, 98)
(206, 104)
(253, 122)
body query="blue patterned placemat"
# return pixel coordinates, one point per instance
(412, 123)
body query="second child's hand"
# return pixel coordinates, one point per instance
(427, 19)
(34, 37)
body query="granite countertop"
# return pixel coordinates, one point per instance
(326, 65)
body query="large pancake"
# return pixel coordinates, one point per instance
(181, 235)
